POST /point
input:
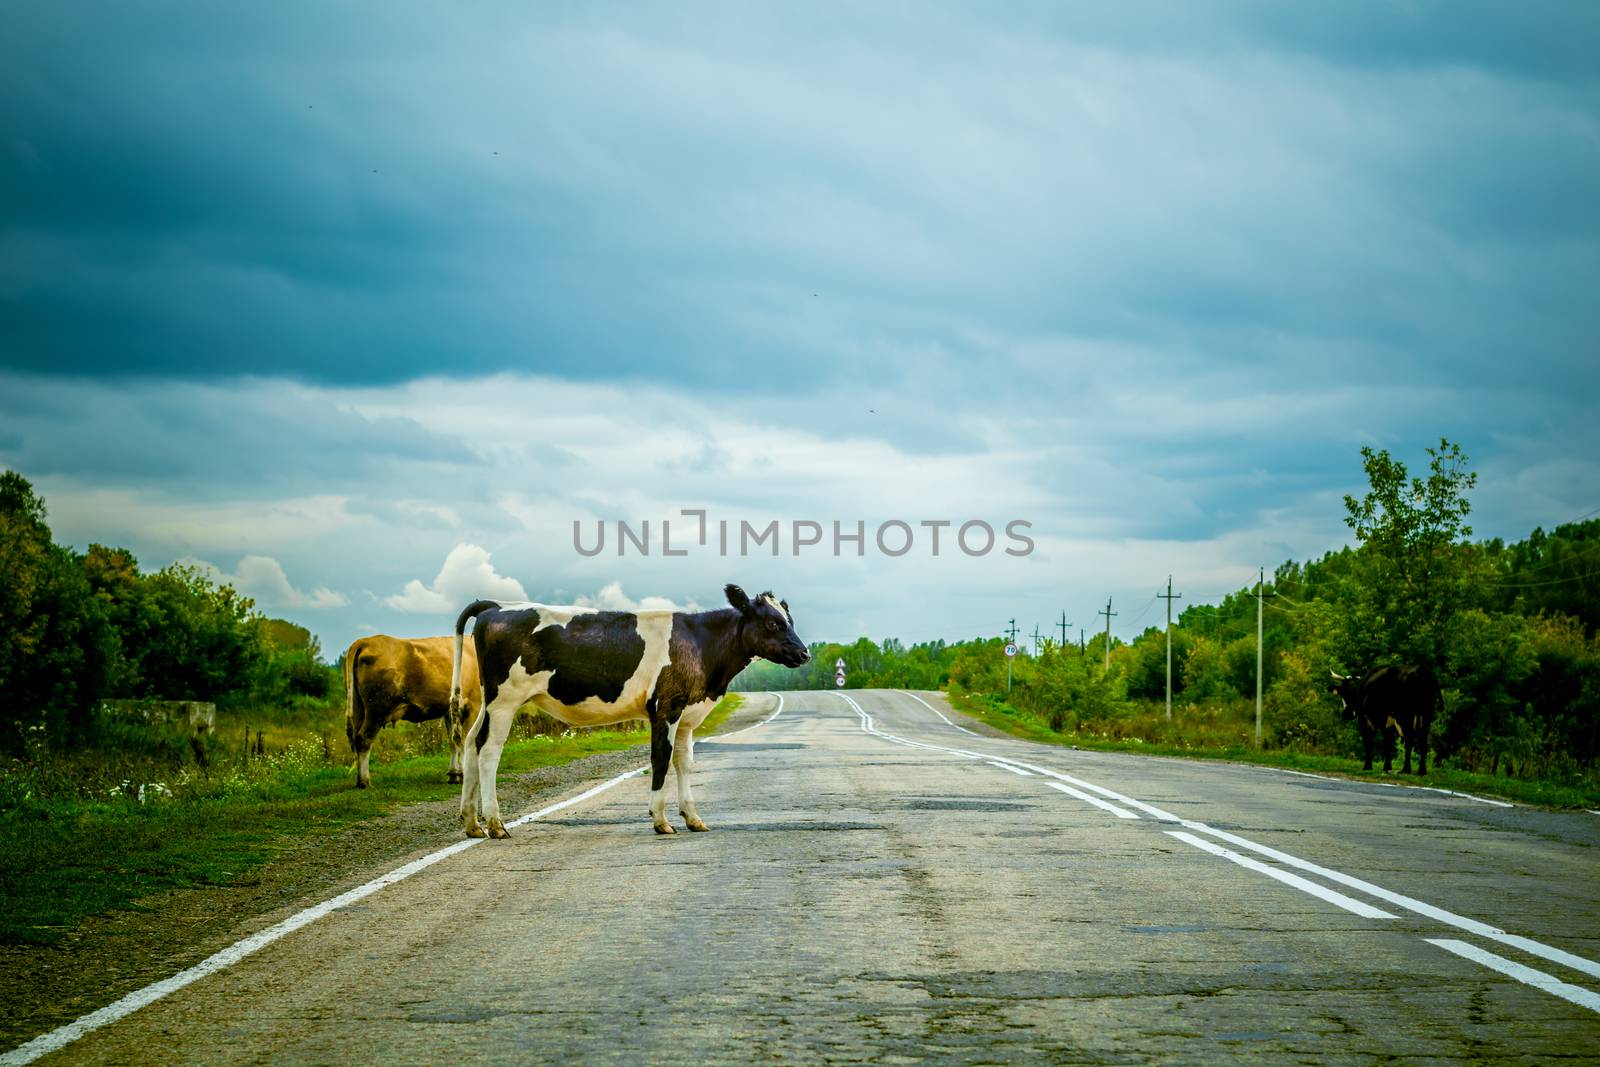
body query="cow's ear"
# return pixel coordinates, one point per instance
(784, 604)
(737, 598)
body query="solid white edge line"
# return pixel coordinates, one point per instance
(1577, 994)
(1008, 767)
(716, 737)
(1466, 796)
(1350, 904)
(1306, 774)
(1121, 813)
(65, 1035)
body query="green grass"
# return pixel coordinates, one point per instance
(74, 846)
(1199, 733)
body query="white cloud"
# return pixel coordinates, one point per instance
(262, 578)
(612, 598)
(466, 575)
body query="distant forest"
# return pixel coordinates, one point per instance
(1510, 631)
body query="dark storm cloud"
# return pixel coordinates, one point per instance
(209, 442)
(351, 196)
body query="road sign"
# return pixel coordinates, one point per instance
(838, 680)
(1011, 648)
(838, 664)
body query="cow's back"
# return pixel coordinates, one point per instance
(393, 673)
(583, 666)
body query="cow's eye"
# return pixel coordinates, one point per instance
(772, 624)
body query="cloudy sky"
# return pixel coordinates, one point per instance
(363, 305)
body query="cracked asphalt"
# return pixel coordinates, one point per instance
(881, 886)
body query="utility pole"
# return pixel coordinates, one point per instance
(1261, 597)
(1169, 596)
(1064, 624)
(1036, 639)
(1011, 636)
(1107, 613)
(1261, 578)
(1083, 646)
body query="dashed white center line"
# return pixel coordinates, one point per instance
(1350, 904)
(1121, 813)
(1008, 767)
(1527, 975)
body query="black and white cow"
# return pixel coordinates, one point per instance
(588, 667)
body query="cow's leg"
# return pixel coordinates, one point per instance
(363, 771)
(1366, 747)
(501, 716)
(1405, 739)
(1422, 749)
(683, 760)
(1386, 739)
(469, 775)
(662, 736)
(454, 742)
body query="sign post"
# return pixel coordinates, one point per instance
(1011, 652)
(838, 676)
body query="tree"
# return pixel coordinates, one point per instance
(55, 643)
(1415, 578)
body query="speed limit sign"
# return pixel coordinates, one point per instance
(1011, 648)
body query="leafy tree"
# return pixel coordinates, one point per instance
(55, 643)
(1415, 578)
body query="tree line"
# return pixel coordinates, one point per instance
(1509, 629)
(77, 628)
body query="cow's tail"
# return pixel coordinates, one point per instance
(352, 698)
(457, 721)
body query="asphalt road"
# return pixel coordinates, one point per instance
(881, 886)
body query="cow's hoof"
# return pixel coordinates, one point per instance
(696, 825)
(454, 778)
(498, 829)
(476, 831)
(362, 783)
(664, 828)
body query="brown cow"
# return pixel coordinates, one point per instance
(387, 679)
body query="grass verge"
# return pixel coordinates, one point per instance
(992, 711)
(70, 850)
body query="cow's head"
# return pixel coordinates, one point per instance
(767, 629)
(1347, 687)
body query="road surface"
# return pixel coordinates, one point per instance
(882, 886)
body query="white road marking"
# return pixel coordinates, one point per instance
(1304, 774)
(65, 1035)
(1527, 975)
(1008, 767)
(1350, 904)
(1460, 922)
(760, 723)
(1449, 918)
(1121, 813)
(936, 711)
(1466, 796)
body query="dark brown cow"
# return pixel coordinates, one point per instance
(387, 679)
(1404, 698)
